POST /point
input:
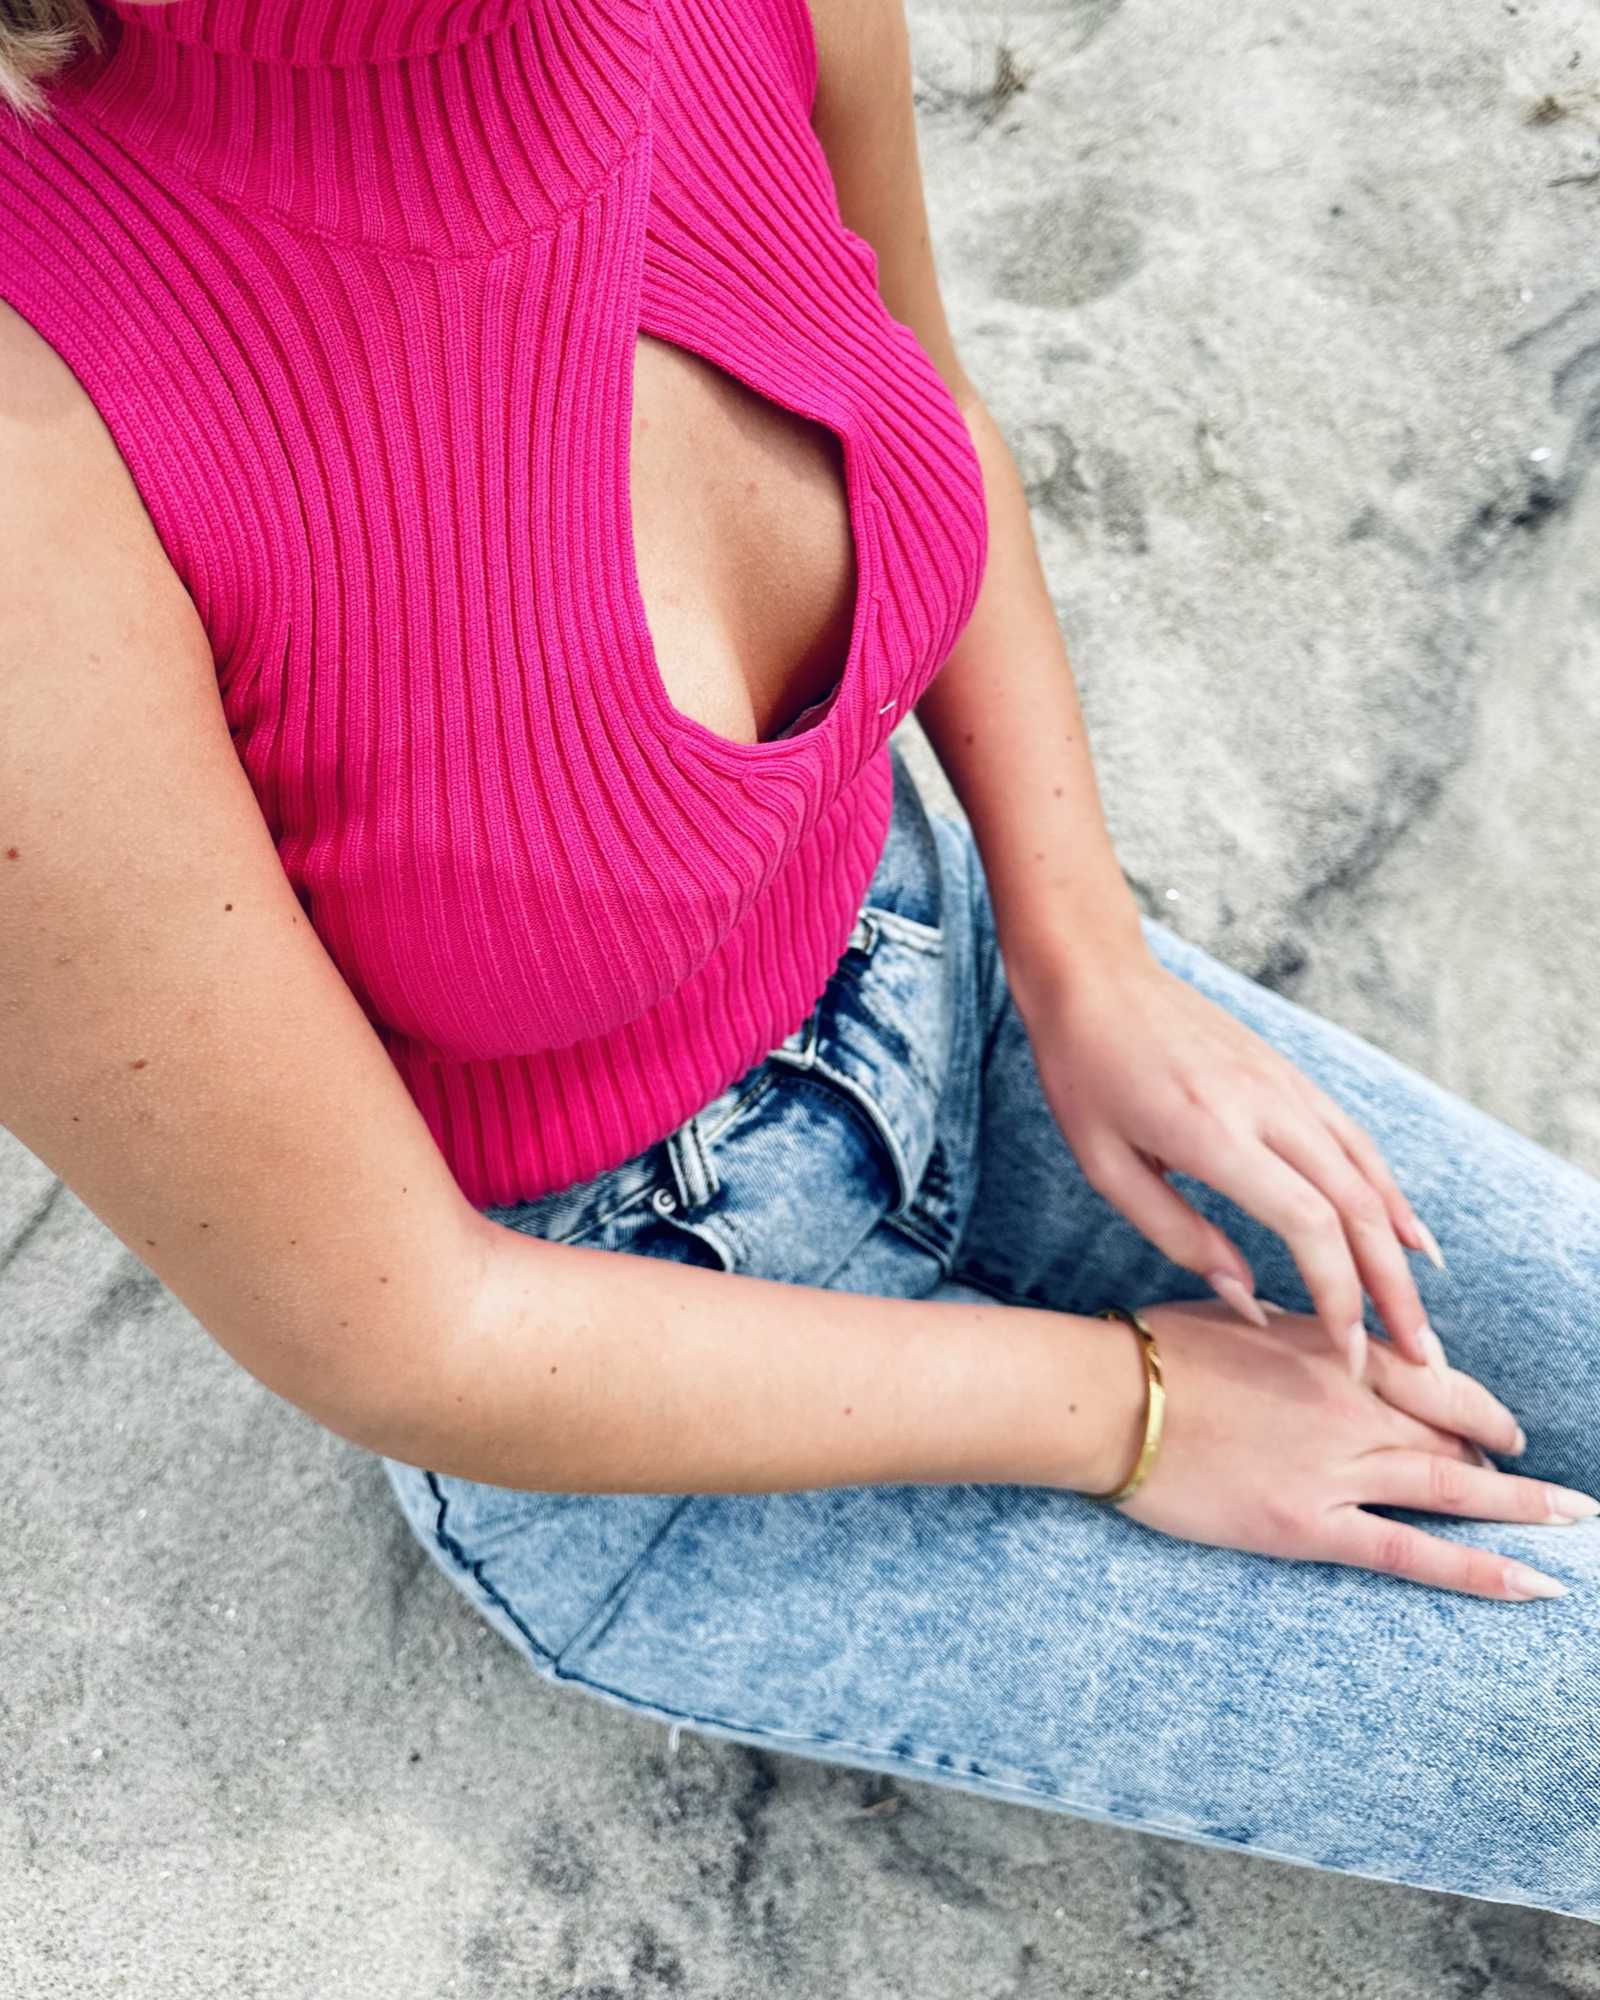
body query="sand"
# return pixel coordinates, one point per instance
(1293, 317)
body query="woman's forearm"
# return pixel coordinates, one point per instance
(582, 1371)
(1003, 716)
(1146, 1077)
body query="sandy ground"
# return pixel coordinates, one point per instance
(1293, 316)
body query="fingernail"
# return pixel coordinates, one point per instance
(1432, 1347)
(1521, 1444)
(1232, 1293)
(1567, 1506)
(1523, 1583)
(1355, 1346)
(1430, 1249)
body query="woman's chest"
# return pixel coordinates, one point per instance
(743, 546)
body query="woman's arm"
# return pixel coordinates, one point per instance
(177, 1045)
(1143, 1075)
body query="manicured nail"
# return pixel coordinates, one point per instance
(1428, 1246)
(1232, 1293)
(1355, 1348)
(1523, 1583)
(1567, 1506)
(1432, 1347)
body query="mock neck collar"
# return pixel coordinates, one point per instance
(316, 34)
(437, 127)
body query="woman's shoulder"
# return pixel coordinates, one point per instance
(38, 390)
(69, 508)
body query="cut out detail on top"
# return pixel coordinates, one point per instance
(744, 552)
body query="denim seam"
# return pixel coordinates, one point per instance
(938, 1239)
(760, 1083)
(720, 1233)
(949, 1769)
(593, 1627)
(832, 1083)
(693, 1172)
(1008, 1785)
(475, 1570)
(589, 1223)
(596, 1224)
(928, 938)
(1001, 1294)
(992, 1032)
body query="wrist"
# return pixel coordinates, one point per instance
(1155, 1408)
(1085, 1407)
(1050, 962)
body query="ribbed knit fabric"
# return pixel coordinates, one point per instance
(356, 285)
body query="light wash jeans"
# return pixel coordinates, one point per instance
(1026, 1643)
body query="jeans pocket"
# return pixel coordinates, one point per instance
(882, 1036)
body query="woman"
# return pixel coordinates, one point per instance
(481, 481)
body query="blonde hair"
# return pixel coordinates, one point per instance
(38, 38)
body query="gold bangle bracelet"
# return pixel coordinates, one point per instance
(1155, 1408)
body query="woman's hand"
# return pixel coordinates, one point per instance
(1148, 1077)
(1270, 1446)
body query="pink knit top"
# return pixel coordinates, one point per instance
(356, 285)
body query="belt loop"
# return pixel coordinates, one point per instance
(692, 1171)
